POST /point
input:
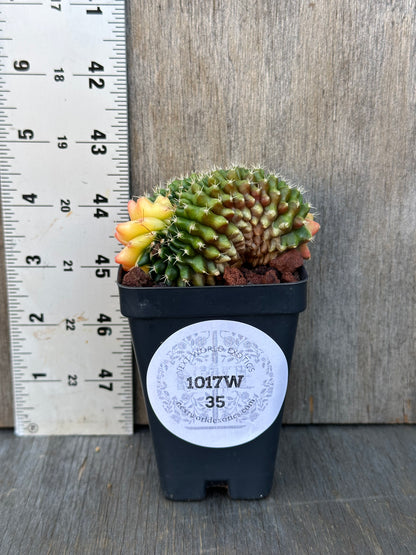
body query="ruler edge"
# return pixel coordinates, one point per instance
(18, 424)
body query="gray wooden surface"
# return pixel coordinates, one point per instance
(337, 490)
(323, 92)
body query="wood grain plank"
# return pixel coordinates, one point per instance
(327, 97)
(338, 489)
(325, 94)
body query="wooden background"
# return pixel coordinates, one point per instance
(323, 92)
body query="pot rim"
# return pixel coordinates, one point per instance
(302, 271)
(216, 301)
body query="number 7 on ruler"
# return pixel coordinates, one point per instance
(64, 172)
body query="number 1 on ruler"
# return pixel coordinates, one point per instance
(64, 169)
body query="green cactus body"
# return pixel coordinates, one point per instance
(225, 218)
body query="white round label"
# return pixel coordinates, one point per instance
(217, 383)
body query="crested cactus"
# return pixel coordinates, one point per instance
(188, 232)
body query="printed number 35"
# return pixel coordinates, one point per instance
(215, 401)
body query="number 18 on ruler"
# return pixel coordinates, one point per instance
(64, 184)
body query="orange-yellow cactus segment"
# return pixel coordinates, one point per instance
(304, 251)
(312, 226)
(126, 231)
(161, 208)
(147, 218)
(134, 248)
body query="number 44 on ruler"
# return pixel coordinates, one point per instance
(64, 177)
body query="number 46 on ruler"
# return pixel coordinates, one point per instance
(64, 176)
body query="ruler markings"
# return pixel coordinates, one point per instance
(98, 325)
(92, 4)
(23, 75)
(41, 381)
(60, 171)
(89, 75)
(103, 380)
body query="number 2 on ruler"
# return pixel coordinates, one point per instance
(64, 172)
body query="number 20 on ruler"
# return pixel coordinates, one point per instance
(65, 176)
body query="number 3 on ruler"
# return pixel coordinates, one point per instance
(64, 132)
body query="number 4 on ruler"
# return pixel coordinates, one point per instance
(64, 165)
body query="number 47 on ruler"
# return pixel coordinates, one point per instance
(64, 171)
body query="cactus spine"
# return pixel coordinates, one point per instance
(190, 230)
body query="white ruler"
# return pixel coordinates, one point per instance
(64, 178)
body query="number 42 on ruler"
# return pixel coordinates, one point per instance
(64, 170)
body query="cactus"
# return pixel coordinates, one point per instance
(188, 232)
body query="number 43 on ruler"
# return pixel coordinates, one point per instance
(64, 172)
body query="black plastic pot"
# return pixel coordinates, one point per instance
(186, 469)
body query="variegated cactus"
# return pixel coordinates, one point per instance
(188, 232)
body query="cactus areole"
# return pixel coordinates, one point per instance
(191, 230)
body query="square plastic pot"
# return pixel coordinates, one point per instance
(186, 469)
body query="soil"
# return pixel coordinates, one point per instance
(283, 269)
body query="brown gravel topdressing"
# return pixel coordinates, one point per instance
(283, 269)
